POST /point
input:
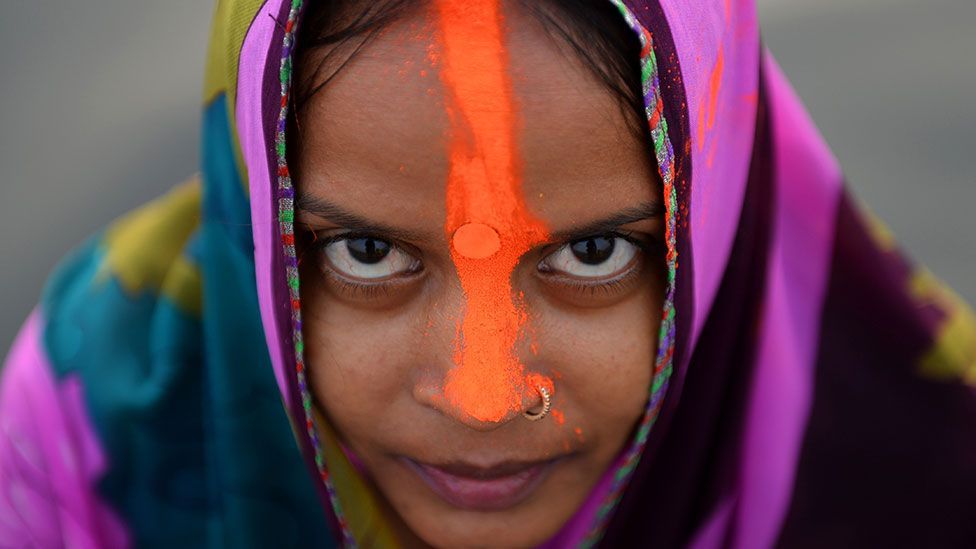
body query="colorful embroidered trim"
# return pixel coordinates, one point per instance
(286, 224)
(664, 153)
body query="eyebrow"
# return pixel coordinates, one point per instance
(325, 209)
(640, 212)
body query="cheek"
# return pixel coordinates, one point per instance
(602, 360)
(362, 364)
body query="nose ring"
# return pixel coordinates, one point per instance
(546, 405)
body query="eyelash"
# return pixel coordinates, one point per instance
(616, 284)
(374, 290)
(359, 290)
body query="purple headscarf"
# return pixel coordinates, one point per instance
(797, 319)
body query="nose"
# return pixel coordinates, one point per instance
(474, 374)
(431, 394)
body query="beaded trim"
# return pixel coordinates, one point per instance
(286, 224)
(664, 153)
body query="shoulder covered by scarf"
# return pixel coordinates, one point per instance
(816, 389)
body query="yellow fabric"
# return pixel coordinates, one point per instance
(879, 232)
(184, 286)
(231, 21)
(953, 354)
(363, 511)
(143, 250)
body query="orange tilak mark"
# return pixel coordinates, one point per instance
(486, 214)
(476, 241)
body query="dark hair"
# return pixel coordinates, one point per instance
(593, 29)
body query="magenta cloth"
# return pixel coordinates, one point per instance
(49, 457)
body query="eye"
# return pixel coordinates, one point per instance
(368, 258)
(593, 257)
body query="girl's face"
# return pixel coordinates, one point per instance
(383, 301)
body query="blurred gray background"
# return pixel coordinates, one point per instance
(99, 105)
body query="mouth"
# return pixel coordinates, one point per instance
(479, 488)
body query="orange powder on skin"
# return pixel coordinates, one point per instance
(487, 222)
(558, 416)
(476, 241)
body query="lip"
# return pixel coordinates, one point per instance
(478, 488)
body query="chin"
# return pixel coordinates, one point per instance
(452, 520)
(472, 529)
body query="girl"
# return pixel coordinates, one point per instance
(493, 273)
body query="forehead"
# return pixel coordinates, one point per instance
(376, 136)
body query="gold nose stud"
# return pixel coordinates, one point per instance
(546, 405)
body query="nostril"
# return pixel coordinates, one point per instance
(531, 399)
(483, 425)
(473, 422)
(432, 395)
(428, 392)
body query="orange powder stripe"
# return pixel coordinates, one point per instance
(484, 188)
